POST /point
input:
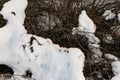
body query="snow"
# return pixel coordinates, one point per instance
(111, 57)
(22, 51)
(116, 70)
(108, 14)
(85, 23)
(87, 28)
(118, 16)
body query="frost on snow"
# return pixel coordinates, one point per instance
(22, 51)
(87, 28)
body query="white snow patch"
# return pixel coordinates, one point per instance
(111, 57)
(116, 70)
(22, 51)
(85, 23)
(118, 16)
(108, 14)
(87, 28)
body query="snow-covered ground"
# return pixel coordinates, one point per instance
(21, 51)
(46, 61)
(87, 28)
